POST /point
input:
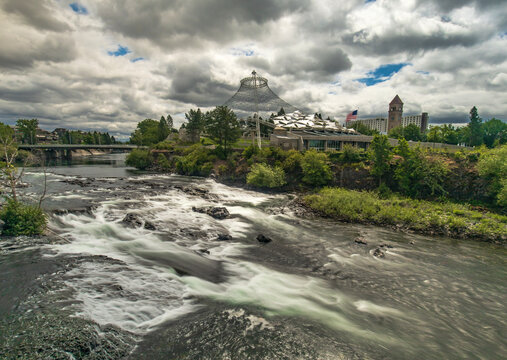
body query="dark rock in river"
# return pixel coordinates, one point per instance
(224, 237)
(360, 241)
(78, 182)
(219, 213)
(386, 246)
(133, 220)
(195, 191)
(379, 253)
(149, 226)
(263, 239)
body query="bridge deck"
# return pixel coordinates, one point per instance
(79, 147)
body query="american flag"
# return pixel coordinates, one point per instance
(351, 116)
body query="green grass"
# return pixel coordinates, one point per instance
(451, 219)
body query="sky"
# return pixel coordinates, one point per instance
(105, 65)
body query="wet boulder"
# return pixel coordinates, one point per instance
(216, 212)
(149, 226)
(379, 253)
(360, 241)
(224, 237)
(132, 220)
(263, 239)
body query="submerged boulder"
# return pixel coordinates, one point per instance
(216, 212)
(133, 220)
(360, 241)
(263, 239)
(379, 253)
(224, 237)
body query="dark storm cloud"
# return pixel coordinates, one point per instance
(192, 84)
(188, 22)
(318, 63)
(38, 14)
(448, 5)
(390, 43)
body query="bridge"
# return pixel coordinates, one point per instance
(64, 151)
(79, 147)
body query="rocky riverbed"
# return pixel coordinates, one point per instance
(161, 266)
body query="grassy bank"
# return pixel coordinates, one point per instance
(454, 220)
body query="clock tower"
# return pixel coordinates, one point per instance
(395, 113)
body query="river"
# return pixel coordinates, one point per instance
(98, 288)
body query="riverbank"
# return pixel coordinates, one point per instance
(425, 217)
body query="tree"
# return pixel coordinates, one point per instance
(163, 129)
(222, 126)
(494, 132)
(195, 124)
(380, 156)
(9, 152)
(411, 132)
(28, 130)
(146, 133)
(170, 122)
(315, 168)
(281, 112)
(475, 126)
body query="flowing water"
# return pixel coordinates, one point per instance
(98, 288)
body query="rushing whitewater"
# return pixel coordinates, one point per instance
(175, 290)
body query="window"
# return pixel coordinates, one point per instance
(333, 145)
(316, 144)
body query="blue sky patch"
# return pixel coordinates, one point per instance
(242, 52)
(368, 1)
(122, 51)
(423, 72)
(382, 73)
(78, 9)
(137, 59)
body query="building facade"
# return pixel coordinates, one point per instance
(395, 119)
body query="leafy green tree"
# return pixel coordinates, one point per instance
(494, 132)
(195, 124)
(363, 129)
(380, 156)
(222, 126)
(316, 171)
(146, 133)
(475, 126)
(163, 129)
(411, 132)
(28, 130)
(263, 175)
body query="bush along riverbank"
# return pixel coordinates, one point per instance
(466, 188)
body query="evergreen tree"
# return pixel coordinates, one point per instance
(170, 122)
(281, 112)
(195, 124)
(475, 126)
(222, 126)
(163, 129)
(380, 156)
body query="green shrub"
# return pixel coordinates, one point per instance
(140, 159)
(192, 163)
(350, 154)
(22, 219)
(263, 175)
(206, 168)
(292, 162)
(316, 172)
(164, 145)
(163, 163)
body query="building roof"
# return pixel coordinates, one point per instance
(396, 100)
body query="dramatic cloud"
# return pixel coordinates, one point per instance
(106, 65)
